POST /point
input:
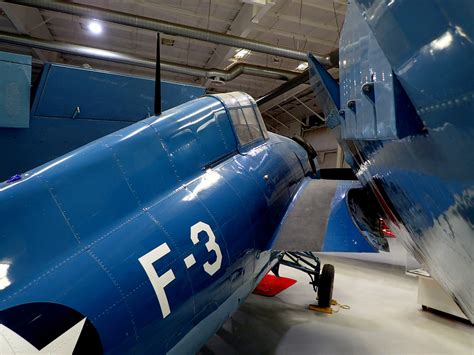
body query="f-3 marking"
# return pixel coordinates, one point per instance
(160, 282)
(211, 245)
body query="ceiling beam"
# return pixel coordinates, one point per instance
(240, 26)
(302, 21)
(340, 9)
(244, 23)
(171, 10)
(299, 37)
(28, 21)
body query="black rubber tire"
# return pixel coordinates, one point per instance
(326, 283)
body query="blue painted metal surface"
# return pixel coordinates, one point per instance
(73, 106)
(342, 234)
(15, 83)
(102, 95)
(421, 169)
(336, 228)
(78, 230)
(327, 93)
(331, 86)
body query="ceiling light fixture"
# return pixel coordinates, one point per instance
(302, 66)
(95, 27)
(242, 53)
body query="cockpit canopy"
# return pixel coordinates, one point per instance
(246, 118)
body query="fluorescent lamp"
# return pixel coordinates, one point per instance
(302, 66)
(95, 27)
(242, 53)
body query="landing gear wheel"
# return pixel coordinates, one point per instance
(326, 282)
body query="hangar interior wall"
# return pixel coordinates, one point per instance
(294, 130)
(323, 140)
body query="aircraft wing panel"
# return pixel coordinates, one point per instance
(342, 222)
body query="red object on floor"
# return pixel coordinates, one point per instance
(272, 285)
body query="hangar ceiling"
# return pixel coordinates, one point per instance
(303, 25)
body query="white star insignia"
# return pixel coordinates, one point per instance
(12, 343)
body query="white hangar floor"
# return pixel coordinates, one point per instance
(384, 317)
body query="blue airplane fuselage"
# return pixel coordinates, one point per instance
(157, 232)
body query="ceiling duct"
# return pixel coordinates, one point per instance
(300, 79)
(124, 58)
(167, 27)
